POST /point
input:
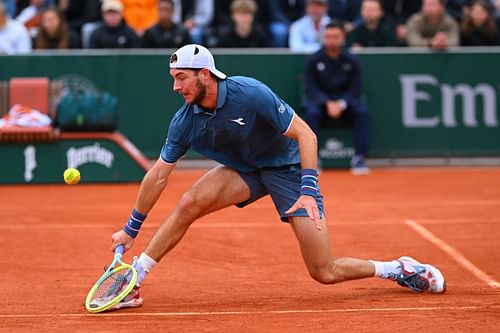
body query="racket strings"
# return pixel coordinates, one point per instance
(111, 287)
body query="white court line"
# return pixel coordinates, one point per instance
(457, 256)
(269, 224)
(233, 313)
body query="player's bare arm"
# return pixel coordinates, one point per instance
(153, 184)
(308, 147)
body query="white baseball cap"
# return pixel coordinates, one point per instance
(197, 57)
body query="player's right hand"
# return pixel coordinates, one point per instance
(121, 237)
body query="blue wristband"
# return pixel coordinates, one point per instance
(309, 182)
(134, 223)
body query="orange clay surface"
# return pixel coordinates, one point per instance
(240, 270)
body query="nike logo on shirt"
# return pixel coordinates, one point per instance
(239, 121)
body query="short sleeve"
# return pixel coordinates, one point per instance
(276, 111)
(175, 145)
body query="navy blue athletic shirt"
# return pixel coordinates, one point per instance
(245, 132)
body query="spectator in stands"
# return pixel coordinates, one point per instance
(346, 11)
(14, 38)
(83, 16)
(282, 14)
(30, 16)
(166, 33)
(332, 82)
(197, 15)
(478, 27)
(114, 33)
(53, 32)
(306, 32)
(374, 30)
(398, 12)
(432, 27)
(140, 14)
(243, 32)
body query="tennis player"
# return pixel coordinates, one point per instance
(265, 148)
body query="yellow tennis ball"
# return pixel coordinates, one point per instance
(71, 176)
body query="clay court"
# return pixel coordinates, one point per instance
(240, 270)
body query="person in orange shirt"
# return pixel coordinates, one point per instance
(140, 14)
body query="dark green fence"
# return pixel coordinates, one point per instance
(421, 103)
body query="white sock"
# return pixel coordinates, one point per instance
(146, 262)
(387, 269)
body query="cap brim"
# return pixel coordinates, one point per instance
(218, 73)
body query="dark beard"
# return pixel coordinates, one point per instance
(202, 92)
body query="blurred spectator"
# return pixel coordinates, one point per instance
(432, 27)
(398, 12)
(282, 14)
(373, 31)
(346, 11)
(243, 32)
(166, 33)
(478, 27)
(332, 81)
(82, 17)
(114, 33)
(14, 38)
(306, 32)
(140, 14)
(223, 19)
(197, 15)
(30, 16)
(54, 33)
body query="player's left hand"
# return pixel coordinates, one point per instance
(309, 204)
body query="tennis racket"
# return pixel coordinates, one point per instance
(113, 286)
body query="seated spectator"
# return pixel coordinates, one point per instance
(332, 82)
(346, 11)
(140, 14)
(197, 15)
(14, 38)
(282, 14)
(306, 32)
(166, 33)
(478, 27)
(30, 16)
(243, 32)
(54, 33)
(398, 12)
(432, 27)
(114, 33)
(373, 31)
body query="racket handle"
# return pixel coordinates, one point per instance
(119, 250)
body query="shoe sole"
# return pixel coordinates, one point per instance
(441, 282)
(133, 303)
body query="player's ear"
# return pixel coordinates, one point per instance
(204, 74)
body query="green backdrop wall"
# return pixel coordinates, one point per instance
(421, 103)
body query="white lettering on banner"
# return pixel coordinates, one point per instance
(89, 154)
(411, 96)
(334, 149)
(29, 162)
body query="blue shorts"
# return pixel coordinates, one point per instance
(283, 184)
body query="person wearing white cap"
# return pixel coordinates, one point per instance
(264, 149)
(114, 33)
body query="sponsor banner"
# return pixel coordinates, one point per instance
(97, 160)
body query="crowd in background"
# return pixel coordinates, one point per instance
(296, 24)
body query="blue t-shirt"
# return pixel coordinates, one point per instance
(245, 132)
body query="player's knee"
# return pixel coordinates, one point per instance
(324, 274)
(188, 204)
